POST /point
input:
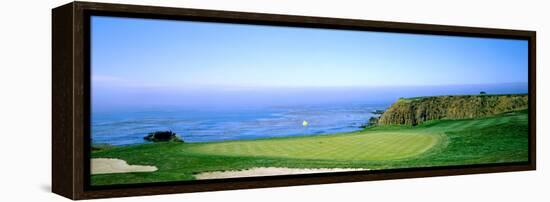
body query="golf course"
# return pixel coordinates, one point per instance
(193, 101)
(491, 139)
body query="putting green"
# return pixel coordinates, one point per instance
(378, 145)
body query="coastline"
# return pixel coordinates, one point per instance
(210, 125)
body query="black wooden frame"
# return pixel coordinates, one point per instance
(71, 99)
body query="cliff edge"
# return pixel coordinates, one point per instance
(414, 111)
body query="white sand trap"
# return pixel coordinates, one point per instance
(269, 171)
(106, 165)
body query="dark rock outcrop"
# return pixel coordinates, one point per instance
(373, 120)
(414, 111)
(163, 136)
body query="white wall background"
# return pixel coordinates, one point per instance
(25, 100)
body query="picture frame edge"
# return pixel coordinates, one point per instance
(69, 78)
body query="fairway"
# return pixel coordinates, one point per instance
(355, 146)
(501, 138)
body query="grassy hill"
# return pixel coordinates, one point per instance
(414, 111)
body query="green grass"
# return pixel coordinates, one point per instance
(349, 146)
(502, 138)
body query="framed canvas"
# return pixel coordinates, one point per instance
(156, 100)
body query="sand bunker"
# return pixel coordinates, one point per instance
(107, 165)
(269, 171)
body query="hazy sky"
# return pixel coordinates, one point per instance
(130, 54)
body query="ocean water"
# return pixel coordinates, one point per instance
(207, 125)
(125, 116)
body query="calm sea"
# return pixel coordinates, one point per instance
(122, 128)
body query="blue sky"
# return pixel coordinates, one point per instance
(163, 55)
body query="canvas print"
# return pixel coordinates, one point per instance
(175, 100)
